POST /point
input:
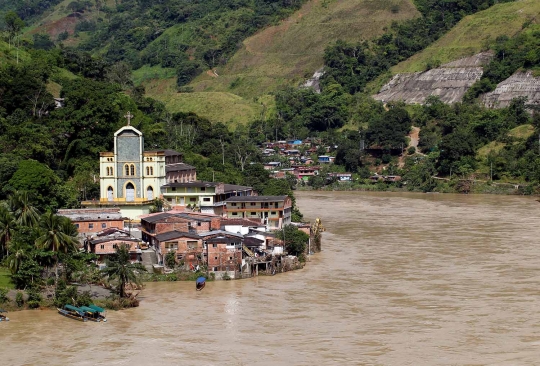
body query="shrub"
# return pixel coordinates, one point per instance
(34, 299)
(19, 300)
(3, 295)
(411, 150)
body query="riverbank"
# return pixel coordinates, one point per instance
(437, 185)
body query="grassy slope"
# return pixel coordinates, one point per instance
(472, 34)
(5, 281)
(284, 54)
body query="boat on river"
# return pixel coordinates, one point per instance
(72, 312)
(3, 317)
(94, 313)
(200, 283)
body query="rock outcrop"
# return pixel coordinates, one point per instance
(521, 84)
(449, 82)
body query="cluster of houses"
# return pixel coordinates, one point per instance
(228, 228)
(296, 158)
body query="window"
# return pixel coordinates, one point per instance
(273, 213)
(253, 213)
(115, 246)
(103, 225)
(126, 169)
(132, 169)
(203, 189)
(233, 204)
(77, 226)
(252, 203)
(230, 258)
(173, 189)
(235, 213)
(193, 199)
(214, 245)
(192, 244)
(112, 171)
(214, 269)
(90, 226)
(102, 246)
(199, 223)
(206, 199)
(215, 258)
(151, 170)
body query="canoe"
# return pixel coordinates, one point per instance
(200, 283)
(72, 312)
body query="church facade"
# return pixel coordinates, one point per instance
(129, 174)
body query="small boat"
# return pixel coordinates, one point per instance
(200, 283)
(98, 313)
(72, 312)
(92, 313)
(3, 317)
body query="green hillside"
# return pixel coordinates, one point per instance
(290, 52)
(473, 34)
(284, 54)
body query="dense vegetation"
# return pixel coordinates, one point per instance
(188, 36)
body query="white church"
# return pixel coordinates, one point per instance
(131, 178)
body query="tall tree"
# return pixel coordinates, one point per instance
(25, 213)
(7, 226)
(57, 236)
(120, 268)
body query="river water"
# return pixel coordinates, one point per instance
(403, 279)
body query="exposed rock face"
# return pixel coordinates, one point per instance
(521, 84)
(449, 82)
(314, 82)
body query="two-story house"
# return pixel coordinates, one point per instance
(274, 211)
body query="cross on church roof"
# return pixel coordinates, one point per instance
(129, 116)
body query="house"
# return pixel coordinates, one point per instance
(292, 152)
(272, 165)
(242, 226)
(208, 197)
(185, 222)
(106, 242)
(304, 172)
(187, 247)
(275, 211)
(326, 159)
(340, 177)
(223, 250)
(180, 173)
(89, 221)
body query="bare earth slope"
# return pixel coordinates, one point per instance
(449, 82)
(521, 84)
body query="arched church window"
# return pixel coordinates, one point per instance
(151, 170)
(149, 193)
(112, 171)
(126, 167)
(147, 171)
(132, 169)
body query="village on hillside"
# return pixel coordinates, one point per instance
(152, 203)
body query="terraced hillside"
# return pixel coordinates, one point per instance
(473, 33)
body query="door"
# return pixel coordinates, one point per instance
(149, 193)
(109, 194)
(130, 192)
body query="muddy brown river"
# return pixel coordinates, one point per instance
(403, 279)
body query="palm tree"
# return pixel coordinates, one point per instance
(19, 252)
(7, 226)
(119, 267)
(57, 236)
(25, 213)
